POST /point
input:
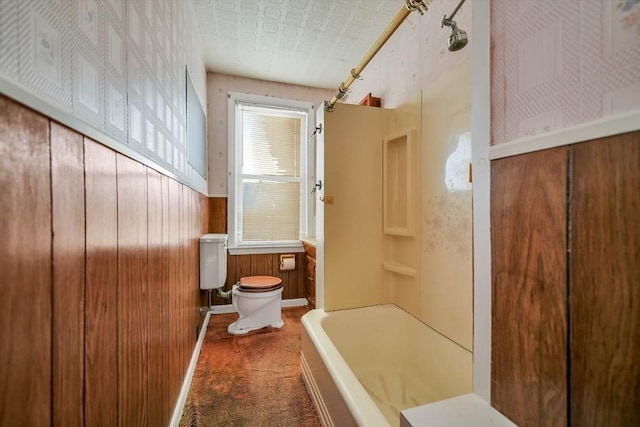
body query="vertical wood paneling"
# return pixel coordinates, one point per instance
(198, 224)
(167, 407)
(203, 228)
(204, 214)
(283, 275)
(132, 293)
(264, 264)
(156, 314)
(185, 211)
(218, 215)
(77, 344)
(243, 266)
(174, 290)
(101, 310)
(529, 319)
(68, 216)
(192, 290)
(25, 263)
(605, 282)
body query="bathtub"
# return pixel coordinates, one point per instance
(362, 366)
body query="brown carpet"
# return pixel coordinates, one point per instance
(250, 380)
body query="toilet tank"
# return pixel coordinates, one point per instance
(213, 261)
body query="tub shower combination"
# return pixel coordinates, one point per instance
(363, 366)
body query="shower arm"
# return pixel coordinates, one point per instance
(403, 13)
(447, 21)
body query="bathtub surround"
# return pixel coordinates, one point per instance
(446, 214)
(414, 211)
(100, 291)
(250, 380)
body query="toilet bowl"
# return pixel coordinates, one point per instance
(258, 301)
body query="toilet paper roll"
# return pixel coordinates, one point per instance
(287, 263)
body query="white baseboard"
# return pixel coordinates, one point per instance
(228, 308)
(295, 302)
(186, 384)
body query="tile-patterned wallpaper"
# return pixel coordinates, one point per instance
(117, 65)
(218, 86)
(560, 63)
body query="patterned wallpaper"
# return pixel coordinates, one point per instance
(218, 86)
(117, 65)
(559, 63)
(415, 56)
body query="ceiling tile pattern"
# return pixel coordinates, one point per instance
(308, 42)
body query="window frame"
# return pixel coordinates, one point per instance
(306, 174)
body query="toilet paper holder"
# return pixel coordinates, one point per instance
(287, 262)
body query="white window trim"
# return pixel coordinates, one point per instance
(308, 164)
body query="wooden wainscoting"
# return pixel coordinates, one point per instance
(67, 186)
(101, 285)
(604, 285)
(25, 266)
(100, 294)
(529, 324)
(218, 215)
(565, 248)
(252, 265)
(266, 265)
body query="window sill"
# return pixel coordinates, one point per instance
(266, 249)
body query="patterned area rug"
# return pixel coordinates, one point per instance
(250, 380)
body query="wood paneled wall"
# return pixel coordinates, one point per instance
(565, 250)
(604, 284)
(529, 325)
(266, 265)
(26, 278)
(100, 297)
(218, 215)
(253, 265)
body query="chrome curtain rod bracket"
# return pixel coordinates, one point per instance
(416, 6)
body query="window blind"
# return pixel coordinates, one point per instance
(270, 179)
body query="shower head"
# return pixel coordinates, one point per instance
(458, 38)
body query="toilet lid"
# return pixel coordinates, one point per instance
(260, 283)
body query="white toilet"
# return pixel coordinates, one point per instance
(257, 299)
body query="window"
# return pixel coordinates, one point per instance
(268, 167)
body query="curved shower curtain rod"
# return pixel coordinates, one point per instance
(420, 6)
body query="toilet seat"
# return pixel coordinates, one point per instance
(259, 284)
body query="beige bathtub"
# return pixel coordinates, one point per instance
(363, 366)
